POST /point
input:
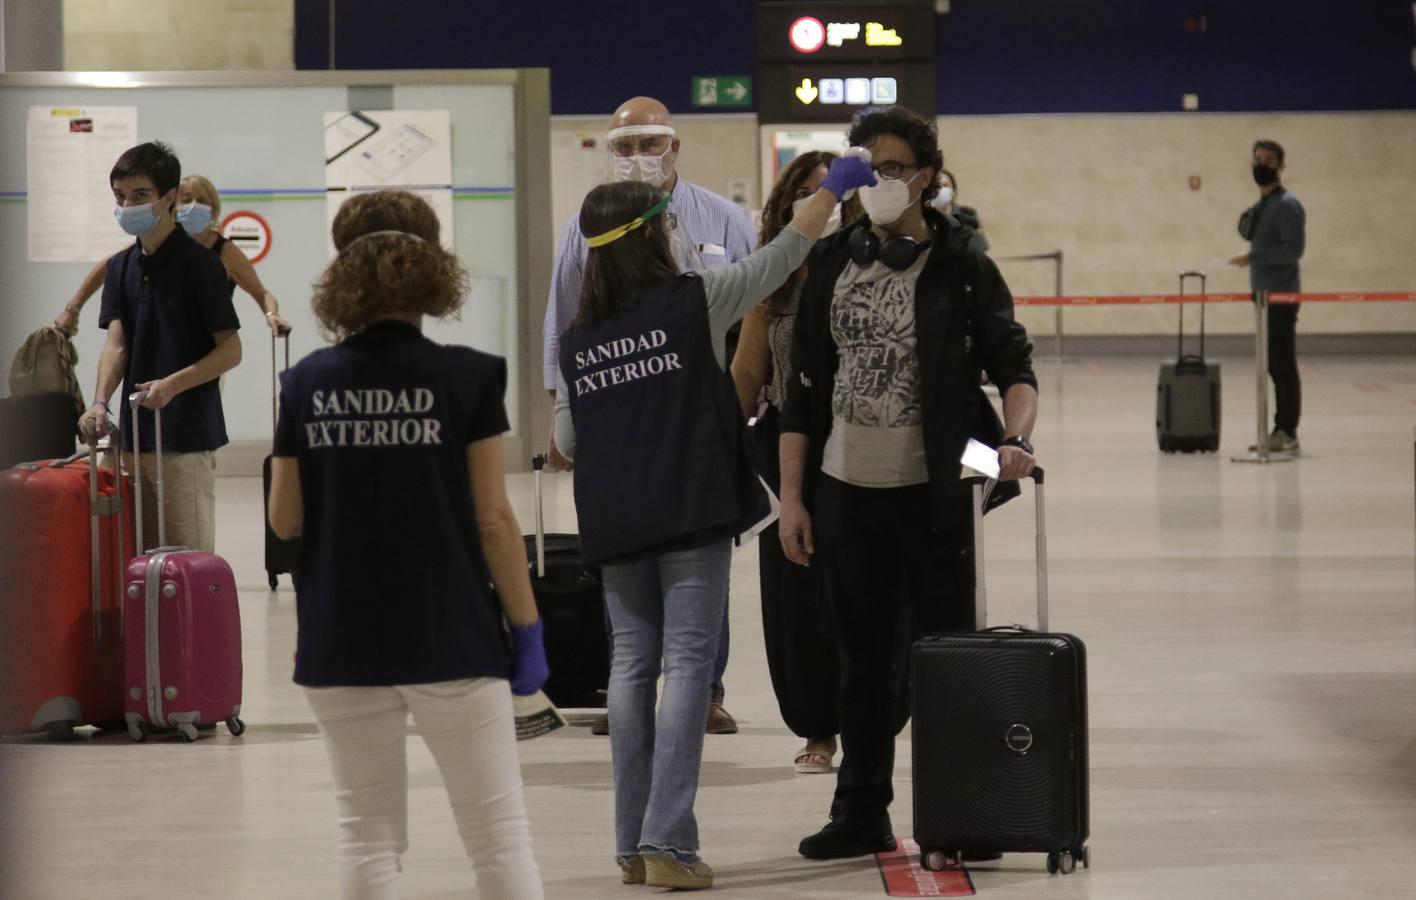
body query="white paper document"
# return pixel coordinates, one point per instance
(70, 151)
(981, 459)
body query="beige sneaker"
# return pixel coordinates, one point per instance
(663, 870)
(632, 872)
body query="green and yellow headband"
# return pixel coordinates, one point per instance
(615, 234)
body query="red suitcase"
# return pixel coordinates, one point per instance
(182, 638)
(63, 546)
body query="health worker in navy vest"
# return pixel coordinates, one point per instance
(898, 319)
(1276, 229)
(801, 654)
(171, 332)
(706, 232)
(198, 212)
(388, 461)
(664, 480)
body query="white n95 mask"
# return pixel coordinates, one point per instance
(886, 201)
(833, 224)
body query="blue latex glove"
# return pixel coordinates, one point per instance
(529, 670)
(848, 173)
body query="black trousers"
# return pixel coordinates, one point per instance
(891, 573)
(1283, 366)
(801, 653)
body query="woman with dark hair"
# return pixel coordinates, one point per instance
(801, 656)
(388, 461)
(947, 202)
(663, 482)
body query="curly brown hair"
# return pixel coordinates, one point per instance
(387, 274)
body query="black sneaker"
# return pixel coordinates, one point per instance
(847, 836)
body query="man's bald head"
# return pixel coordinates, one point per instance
(641, 111)
(643, 143)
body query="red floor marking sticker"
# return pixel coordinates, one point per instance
(905, 877)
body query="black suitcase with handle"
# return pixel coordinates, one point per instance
(571, 602)
(1187, 394)
(282, 557)
(1000, 734)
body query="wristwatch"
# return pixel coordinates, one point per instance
(1020, 442)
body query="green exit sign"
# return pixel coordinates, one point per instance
(722, 90)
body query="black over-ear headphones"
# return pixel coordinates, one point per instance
(899, 251)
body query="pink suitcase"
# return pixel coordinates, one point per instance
(182, 630)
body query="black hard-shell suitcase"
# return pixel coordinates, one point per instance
(571, 601)
(1000, 734)
(282, 556)
(1188, 392)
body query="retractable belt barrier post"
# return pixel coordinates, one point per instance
(1261, 452)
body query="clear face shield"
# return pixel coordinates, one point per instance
(640, 153)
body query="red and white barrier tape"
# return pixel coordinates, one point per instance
(1154, 299)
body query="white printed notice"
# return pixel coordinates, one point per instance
(404, 149)
(71, 150)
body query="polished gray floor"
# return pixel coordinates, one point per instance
(1253, 693)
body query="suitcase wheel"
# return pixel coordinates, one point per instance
(1063, 862)
(137, 731)
(188, 732)
(235, 726)
(934, 860)
(273, 580)
(61, 731)
(1085, 855)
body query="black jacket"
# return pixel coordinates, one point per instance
(965, 326)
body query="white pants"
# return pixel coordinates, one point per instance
(469, 727)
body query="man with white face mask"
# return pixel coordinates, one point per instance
(898, 319)
(708, 232)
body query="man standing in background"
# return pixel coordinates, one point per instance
(1276, 229)
(707, 232)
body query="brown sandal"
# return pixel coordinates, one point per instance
(813, 762)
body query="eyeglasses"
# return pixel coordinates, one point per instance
(641, 145)
(893, 170)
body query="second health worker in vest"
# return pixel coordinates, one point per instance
(663, 481)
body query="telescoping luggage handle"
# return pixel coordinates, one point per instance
(980, 591)
(134, 402)
(538, 463)
(275, 377)
(1180, 340)
(99, 507)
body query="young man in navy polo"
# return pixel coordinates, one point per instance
(171, 332)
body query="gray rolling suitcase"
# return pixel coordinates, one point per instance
(1000, 734)
(1187, 408)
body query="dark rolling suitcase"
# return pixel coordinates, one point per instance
(36, 426)
(1187, 393)
(1000, 734)
(571, 602)
(282, 557)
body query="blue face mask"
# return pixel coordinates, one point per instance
(194, 217)
(136, 220)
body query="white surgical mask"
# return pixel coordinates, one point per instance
(648, 169)
(886, 201)
(833, 224)
(942, 199)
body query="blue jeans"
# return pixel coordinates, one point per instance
(667, 614)
(716, 691)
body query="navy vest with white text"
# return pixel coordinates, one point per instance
(661, 452)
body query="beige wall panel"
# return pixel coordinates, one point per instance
(178, 35)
